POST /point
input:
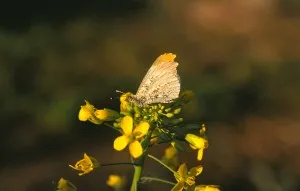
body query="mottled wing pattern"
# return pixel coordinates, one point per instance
(161, 84)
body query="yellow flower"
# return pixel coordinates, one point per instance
(116, 181)
(207, 188)
(170, 152)
(197, 142)
(86, 112)
(125, 104)
(65, 185)
(131, 136)
(170, 158)
(106, 114)
(185, 178)
(86, 165)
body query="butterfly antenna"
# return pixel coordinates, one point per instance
(118, 91)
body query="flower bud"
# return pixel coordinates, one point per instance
(176, 121)
(65, 185)
(116, 125)
(155, 117)
(177, 111)
(169, 115)
(203, 129)
(136, 109)
(196, 141)
(186, 96)
(168, 109)
(106, 114)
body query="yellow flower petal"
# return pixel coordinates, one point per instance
(127, 125)
(125, 96)
(121, 142)
(85, 172)
(87, 158)
(207, 188)
(200, 154)
(101, 114)
(106, 114)
(195, 171)
(170, 157)
(170, 152)
(193, 147)
(196, 141)
(135, 149)
(182, 170)
(190, 181)
(125, 104)
(85, 165)
(83, 115)
(86, 111)
(141, 129)
(188, 178)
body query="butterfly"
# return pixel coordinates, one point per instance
(161, 83)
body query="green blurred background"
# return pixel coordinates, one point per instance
(241, 58)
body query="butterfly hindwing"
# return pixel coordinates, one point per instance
(161, 84)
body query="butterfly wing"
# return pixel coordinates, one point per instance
(161, 84)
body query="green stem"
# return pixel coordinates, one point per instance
(138, 168)
(160, 162)
(147, 178)
(109, 125)
(136, 177)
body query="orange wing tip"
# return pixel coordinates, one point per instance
(167, 57)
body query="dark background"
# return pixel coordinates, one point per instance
(241, 58)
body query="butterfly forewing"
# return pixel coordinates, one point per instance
(161, 84)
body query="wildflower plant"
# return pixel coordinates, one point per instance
(145, 120)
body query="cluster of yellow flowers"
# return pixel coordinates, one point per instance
(141, 128)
